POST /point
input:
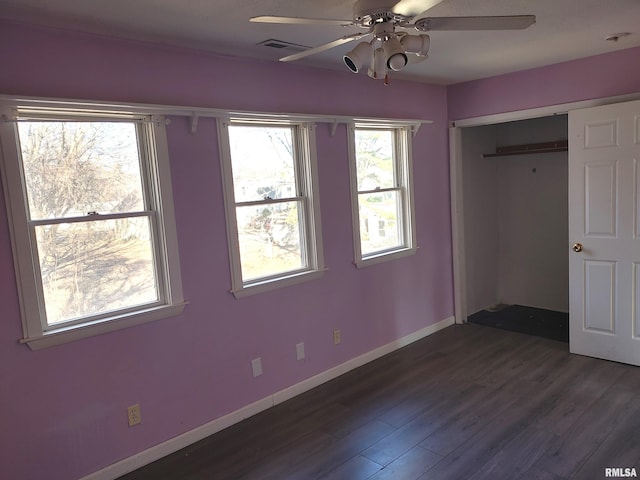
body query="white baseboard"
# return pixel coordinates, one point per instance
(334, 372)
(163, 449)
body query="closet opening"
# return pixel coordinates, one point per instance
(515, 201)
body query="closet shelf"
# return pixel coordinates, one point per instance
(547, 147)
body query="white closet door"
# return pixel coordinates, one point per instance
(604, 232)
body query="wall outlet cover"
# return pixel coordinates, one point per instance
(256, 367)
(133, 413)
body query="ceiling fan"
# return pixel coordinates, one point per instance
(391, 46)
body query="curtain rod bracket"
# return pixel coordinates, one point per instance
(160, 120)
(194, 123)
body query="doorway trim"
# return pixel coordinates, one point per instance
(456, 184)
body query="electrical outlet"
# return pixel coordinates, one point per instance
(256, 366)
(337, 338)
(300, 351)
(134, 415)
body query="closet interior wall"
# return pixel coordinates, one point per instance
(516, 217)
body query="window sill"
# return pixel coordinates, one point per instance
(282, 282)
(384, 257)
(111, 324)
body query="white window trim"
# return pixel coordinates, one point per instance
(313, 227)
(404, 156)
(27, 279)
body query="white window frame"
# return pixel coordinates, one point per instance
(403, 164)
(307, 179)
(155, 171)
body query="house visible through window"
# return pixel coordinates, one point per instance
(96, 220)
(381, 192)
(272, 214)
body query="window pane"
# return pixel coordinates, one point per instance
(374, 159)
(94, 267)
(269, 237)
(380, 224)
(72, 168)
(262, 162)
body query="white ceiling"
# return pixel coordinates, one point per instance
(565, 30)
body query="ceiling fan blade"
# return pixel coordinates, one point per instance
(509, 22)
(411, 8)
(299, 21)
(322, 48)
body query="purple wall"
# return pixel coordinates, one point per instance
(608, 75)
(63, 409)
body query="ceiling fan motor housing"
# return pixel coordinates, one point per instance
(383, 31)
(369, 12)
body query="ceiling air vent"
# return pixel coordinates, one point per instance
(282, 45)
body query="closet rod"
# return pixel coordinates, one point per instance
(547, 147)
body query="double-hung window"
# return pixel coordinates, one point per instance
(381, 192)
(272, 207)
(93, 233)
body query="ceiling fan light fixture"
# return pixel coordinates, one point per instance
(387, 24)
(418, 44)
(378, 67)
(396, 56)
(359, 57)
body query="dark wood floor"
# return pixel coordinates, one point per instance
(467, 403)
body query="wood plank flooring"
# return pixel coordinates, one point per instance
(469, 402)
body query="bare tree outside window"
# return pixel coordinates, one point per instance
(268, 204)
(379, 197)
(88, 215)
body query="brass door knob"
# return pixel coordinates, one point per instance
(577, 247)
